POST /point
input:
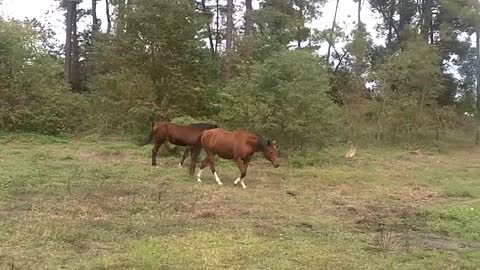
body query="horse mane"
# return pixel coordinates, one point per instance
(262, 143)
(204, 125)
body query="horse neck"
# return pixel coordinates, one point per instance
(260, 143)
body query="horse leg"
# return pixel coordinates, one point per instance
(242, 165)
(188, 149)
(239, 163)
(155, 149)
(202, 167)
(211, 161)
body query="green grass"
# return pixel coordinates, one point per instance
(462, 221)
(240, 248)
(471, 260)
(90, 204)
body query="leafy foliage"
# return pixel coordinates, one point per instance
(152, 72)
(163, 61)
(34, 97)
(258, 100)
(414, 72)
(409, 85)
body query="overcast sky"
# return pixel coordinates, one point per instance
(46, 12)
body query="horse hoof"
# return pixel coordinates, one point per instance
(199, 180)
(180, 166)
(220, 184)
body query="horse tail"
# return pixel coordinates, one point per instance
(150, 136)
(194, 154)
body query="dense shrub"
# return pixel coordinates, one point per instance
(409, 84)
(136, 77)
(121, 103)
(33, 95)
(285, 98)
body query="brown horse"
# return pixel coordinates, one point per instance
(177, 135)
(238, 145)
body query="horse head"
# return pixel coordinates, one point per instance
(271, 154)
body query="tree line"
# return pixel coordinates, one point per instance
(246, 67)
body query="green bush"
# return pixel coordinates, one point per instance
(33, 95)
(406, 108)
(52, 114)
(285, 98)
(122, 103)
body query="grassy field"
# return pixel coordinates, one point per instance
(80, 204)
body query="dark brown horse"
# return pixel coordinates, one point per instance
(238, 145)
(177, 135)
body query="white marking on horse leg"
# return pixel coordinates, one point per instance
(236, 181)
(217, 178)
(242, 183)
(199, 174)
(179, 165)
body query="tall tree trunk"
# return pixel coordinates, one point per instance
(427, 19)
(227, 67)
(75, 52)
(478, 69)
(209, 29)
(95, 27)
(68, 40)
(120, 19)
(129, 5)
(330, 42)
(389, 35)
(359, 18)
(71, 45)
(109, 18)
(229, 34)
(217, 26)
(431, 28)
(391, 21)
(248, 17)
(299, 28)
(403, 17)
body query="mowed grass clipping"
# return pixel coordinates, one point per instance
(86, 204)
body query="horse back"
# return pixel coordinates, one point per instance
(228, 144)
(177, 134)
